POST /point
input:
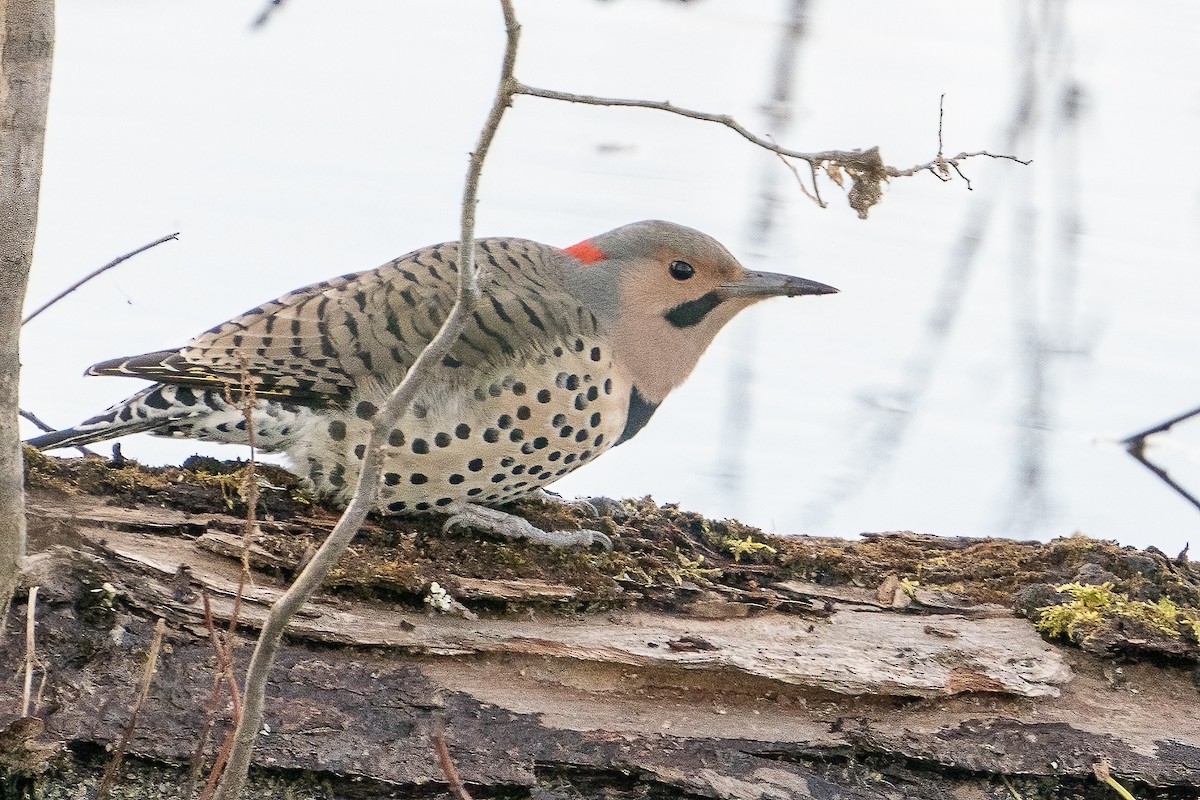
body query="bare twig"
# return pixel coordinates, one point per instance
(1135, 445)
(30, 648)
(29, 415)
(1011, 789)
(454, 781)
(265, 15)
(385, 418)
(110, 773)
(815, 194)
(1101, 770)
(101, 271)
(865, 167)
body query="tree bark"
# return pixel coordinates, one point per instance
(26, 49)
(788, 671)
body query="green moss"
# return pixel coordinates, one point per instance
(742, 547)
(1092, 606)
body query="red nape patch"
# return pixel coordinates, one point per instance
(586, 252)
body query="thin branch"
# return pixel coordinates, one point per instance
(1159, 428)
(669, 107)
(29, 415)
(454, 781)
(101, 271)
(30, 648)
(265, 15)
(865, 167)
(1135, 445)
(110, 773)
(385, 419)
(815, 194)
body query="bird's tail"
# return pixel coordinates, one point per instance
(83, 435)
(137, 414)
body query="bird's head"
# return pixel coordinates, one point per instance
(663, 291)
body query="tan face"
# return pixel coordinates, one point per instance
(675, 288)
(672, 306)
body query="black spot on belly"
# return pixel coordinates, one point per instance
(463, 431)
(391, 478)
(365, 410)
(543, 396)
(475, 464)
(417, 478)
(455, 479)
(337, 430)
(442, 440)
(396, 437)
(523, 413)
(491, 435)
(397, 506)
(420, 446)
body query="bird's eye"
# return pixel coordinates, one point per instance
(681, 270)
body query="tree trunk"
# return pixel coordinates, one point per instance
(26, 48)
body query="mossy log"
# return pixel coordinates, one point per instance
(700, 659)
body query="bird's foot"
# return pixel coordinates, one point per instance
(469, 515)
(591, 506)
(581, 505)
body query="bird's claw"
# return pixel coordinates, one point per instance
(469, 515)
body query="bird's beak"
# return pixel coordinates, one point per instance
(771, 284)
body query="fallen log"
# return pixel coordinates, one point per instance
(700, 659)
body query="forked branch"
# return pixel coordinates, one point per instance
(393, 409)
(866, 169)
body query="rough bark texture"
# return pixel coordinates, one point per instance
(26, 46)
(894, 667)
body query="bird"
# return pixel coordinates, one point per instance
(568, 353)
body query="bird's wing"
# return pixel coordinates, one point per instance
(317, 345)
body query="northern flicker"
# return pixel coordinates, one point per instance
(569, 353)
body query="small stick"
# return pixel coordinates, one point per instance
(1102, 774)
(110, 773)
(30, 626)
(265, 15)
(818, 158)
(454, 781)
(1135, 445)
(105, 268)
